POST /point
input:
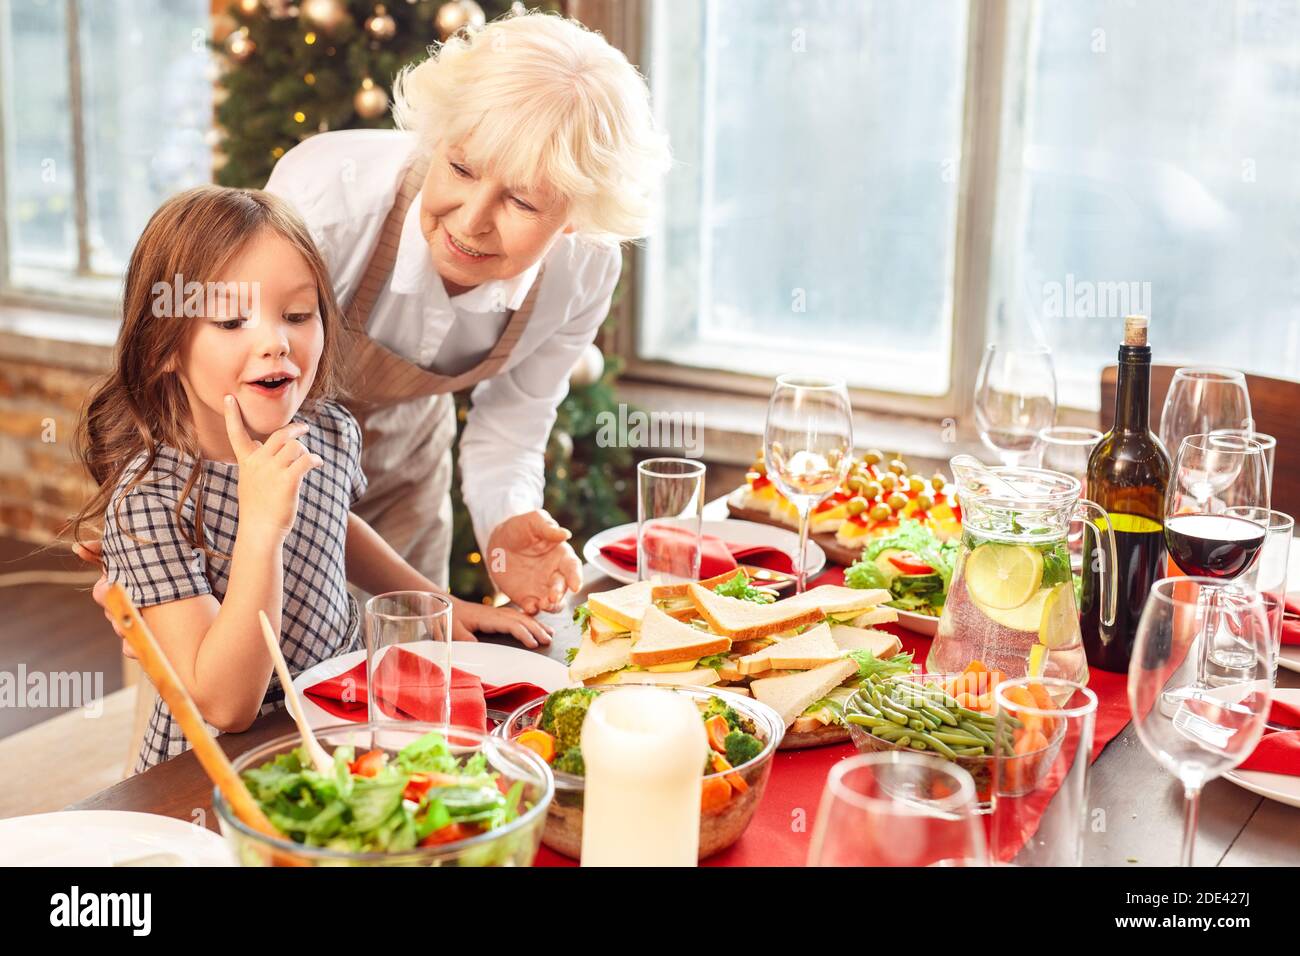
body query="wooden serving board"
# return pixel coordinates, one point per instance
(835, 551)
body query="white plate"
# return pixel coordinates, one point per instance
(1282, 787)
(1289, 658)
(109, 838)
(922, 624)
(491, 663)
(729, 530)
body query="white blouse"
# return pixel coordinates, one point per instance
(343, 184)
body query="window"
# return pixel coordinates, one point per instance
(1128, 157)
(107, 110)
(812, 209)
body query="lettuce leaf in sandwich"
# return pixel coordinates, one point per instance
(879, 567)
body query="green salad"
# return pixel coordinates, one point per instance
(423, 796)
(912, 564)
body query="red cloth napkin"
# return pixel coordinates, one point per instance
(1278, 752)
(1291, 628)
(716, 556)
(411, 688)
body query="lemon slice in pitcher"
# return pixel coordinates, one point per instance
(1060, 622)
(1003, 576)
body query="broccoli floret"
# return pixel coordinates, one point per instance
(562, 699)
(718, 706)
(741, 747)
(570, 762)
(566, 723)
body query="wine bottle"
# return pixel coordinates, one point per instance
(1128, 472)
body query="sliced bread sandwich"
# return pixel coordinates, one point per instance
(666, 640)
(813, 648)
(746, 620)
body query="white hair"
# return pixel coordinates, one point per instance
(543, 102)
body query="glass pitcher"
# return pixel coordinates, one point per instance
(1011, 603)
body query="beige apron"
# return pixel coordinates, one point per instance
(407, 413)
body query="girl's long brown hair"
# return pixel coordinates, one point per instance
(142, 404)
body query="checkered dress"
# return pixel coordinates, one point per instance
(320, 617)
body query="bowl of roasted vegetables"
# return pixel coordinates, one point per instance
(398, 794)
(742, 734)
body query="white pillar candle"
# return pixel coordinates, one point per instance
(644, 749)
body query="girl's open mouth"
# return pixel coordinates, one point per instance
(272, 385)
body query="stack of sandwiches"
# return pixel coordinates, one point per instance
(801, 656)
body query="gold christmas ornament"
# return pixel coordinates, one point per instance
(589, 367)
(456, 15)
(240, 46)
(324, 15)
(381, 26)
(370, 101)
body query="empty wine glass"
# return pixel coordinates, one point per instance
(898, 809)
(1196, 731)
(1202, 400)
(807, 446)
(1015, 399)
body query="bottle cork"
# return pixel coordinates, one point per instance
(1135, 330)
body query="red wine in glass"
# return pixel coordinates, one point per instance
(1212, 546)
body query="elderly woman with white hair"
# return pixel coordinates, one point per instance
(478, 246)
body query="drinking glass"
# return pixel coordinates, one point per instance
(1040, 782)
(1201, 400)
(1269, 573)
(408, 655)
(1197, 732)
(898, 809)
(669, 513)
(1015, 399)
(1066, 449)
(1266, 442)
(807, 446)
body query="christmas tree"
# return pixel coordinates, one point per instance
(297, 69)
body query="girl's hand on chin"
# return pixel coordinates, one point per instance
(270, 472)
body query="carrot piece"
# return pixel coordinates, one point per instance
(720, 765)
(967, 700)
(1042, 699)
(718, 729)
(985, 702)
(538, 741)
(1018, 695)
(995, 678)
(976, 667)
(1031, 741)
(715, 794)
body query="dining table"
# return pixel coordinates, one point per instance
(1135, 806)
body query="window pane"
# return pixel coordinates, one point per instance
(148, 98)
(38, 139)
(809, 221)
(1160, 173)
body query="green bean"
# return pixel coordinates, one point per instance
(917, 743)
(942, 713)
(902, 708)
(970, 728)
(917, 725)
(865, 720)
(969, 751)
(899, 718)
(938, 745)
(956, 737)
(889, 731)
(904, 741)
(866, 706)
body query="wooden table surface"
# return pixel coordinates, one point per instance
(1137, 808)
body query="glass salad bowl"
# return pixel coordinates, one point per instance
(721, 824)
(521, 776)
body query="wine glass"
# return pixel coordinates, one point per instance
(807, 446)
(1201, 400)
(1197, 731)
(1015, 399)
(896, 808)
(1213, 476)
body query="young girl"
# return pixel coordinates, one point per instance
(226, 474)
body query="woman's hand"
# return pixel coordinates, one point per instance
(530, 560)
(270, 473)
(468, 617)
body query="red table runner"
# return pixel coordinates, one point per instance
(782, 826)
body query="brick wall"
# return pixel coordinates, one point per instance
(41, 485)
